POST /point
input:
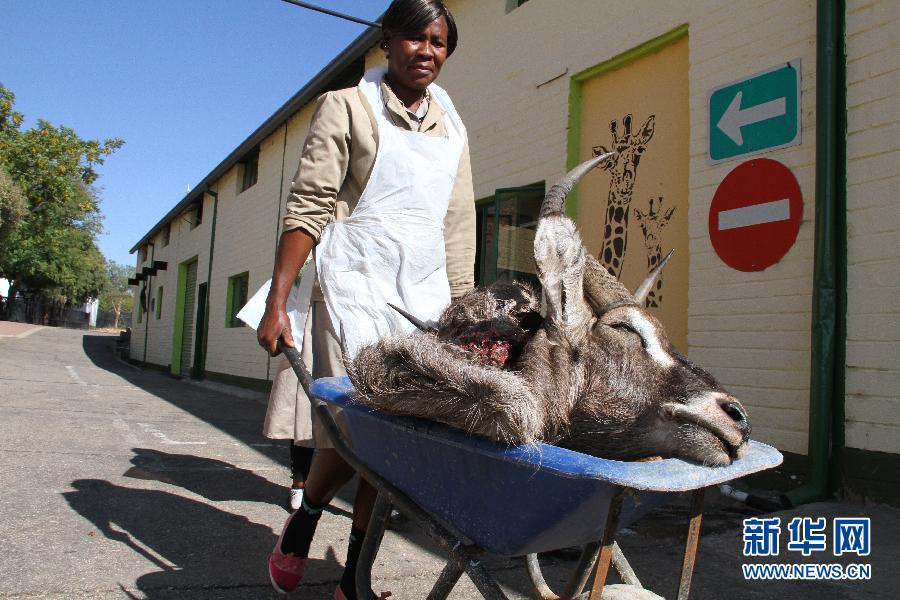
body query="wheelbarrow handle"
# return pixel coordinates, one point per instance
(297, 364)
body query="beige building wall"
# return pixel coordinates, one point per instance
(510, 81)
(873, 223)
(184, 244)
(249, 224)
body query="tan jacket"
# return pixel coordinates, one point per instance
(337, 160)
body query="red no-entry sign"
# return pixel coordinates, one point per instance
(755, 215)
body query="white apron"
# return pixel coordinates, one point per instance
(391, 248)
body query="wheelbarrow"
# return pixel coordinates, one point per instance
(475, 497)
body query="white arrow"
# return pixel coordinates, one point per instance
(735, 117)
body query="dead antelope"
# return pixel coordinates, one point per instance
(590, 370)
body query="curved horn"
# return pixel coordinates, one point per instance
(553, 201)
(602, 290)
(420, 325)
(640, 294)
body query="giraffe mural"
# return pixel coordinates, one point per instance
(651, 224)
(623, 168)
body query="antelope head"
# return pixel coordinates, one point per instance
(632, 394)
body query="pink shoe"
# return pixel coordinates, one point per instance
(285, 570)
(339, 594)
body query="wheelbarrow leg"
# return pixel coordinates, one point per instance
(582, 571)
(691, 545)
(623, 568)
(381, 512)
(465, 559)
(606, 546)
(453, 570)
(481, 578)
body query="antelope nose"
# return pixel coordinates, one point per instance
(736, 412)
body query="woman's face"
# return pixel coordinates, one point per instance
(414, 61)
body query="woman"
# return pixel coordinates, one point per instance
(384, 193)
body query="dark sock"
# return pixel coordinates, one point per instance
(348, 581)
(301, 529)
(301, 458)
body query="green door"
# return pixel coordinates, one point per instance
(183, 328)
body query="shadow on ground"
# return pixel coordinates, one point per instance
(157, 524)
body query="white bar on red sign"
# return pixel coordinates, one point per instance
(755, 214)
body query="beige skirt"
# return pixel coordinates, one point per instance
(290, 414)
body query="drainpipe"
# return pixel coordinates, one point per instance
(212, 247)
(826, 410)
(147, 313)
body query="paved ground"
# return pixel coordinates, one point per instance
(121, 483)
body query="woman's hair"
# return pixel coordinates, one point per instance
(409, 17)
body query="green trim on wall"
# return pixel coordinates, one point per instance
(209, 266)
(575, 96)
(178, 326)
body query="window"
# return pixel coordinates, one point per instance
(505, 248)
(196, 216)
(236, 299)
(166, 232)
(159, 297)
(143, 253)
(249, 170)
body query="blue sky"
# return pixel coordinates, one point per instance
(182, 82)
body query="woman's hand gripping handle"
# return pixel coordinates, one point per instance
(297, 364)
(274, 331)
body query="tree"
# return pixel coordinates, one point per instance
(52, 249)
(12, 206)
(117, 295)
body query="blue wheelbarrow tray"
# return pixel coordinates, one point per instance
(516, 500)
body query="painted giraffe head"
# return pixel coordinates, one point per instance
(629, 146)
(651, 223)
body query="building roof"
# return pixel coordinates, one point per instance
(322, 81)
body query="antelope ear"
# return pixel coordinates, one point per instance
(640, 294)
(559, 252)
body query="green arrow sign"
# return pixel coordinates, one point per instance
(756, 114)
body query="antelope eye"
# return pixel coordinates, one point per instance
(626, 327)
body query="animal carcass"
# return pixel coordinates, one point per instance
(590, 370)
